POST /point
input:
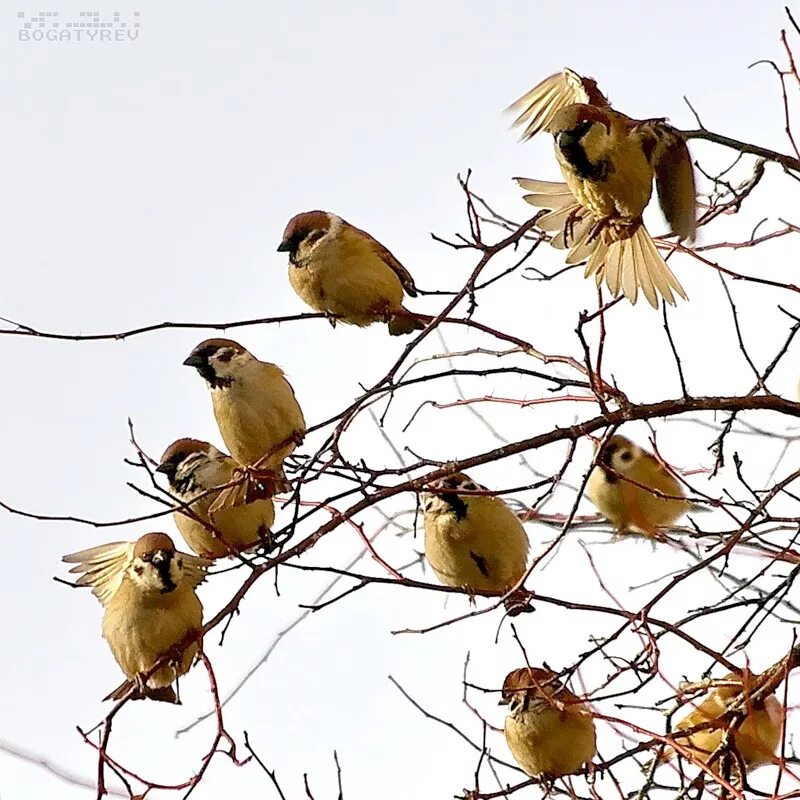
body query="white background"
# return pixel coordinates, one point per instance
(151, 181)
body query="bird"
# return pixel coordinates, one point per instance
(256, 410)
(624, 484)
(223, 522)
(549, 731)
(755, 739)
(344, 272)
(473, 541)
(148, 591)
(609, 162)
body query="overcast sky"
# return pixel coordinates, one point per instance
(151, 180)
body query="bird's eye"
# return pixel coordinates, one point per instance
(626, 456)
(225, 355)
(148, 557)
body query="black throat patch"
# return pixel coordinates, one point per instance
(570, 145)
(456, 503)
(166, 579)
(604, 462)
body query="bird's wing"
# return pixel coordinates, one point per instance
(569, 221)
(103, 568)
(536, 108)
(669, 156)
(195, 568)
(386, 256)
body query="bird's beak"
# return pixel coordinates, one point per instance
(166, 468)
(194, 360)
(285, 246)
(503, 701)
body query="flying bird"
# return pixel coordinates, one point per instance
(609, 162)
(219, 521)
(633, 490)
(256, 410)
(549, 731)
(342, 271)
(148, 591)
(472, 540)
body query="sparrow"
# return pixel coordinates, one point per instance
(223, 522)
(609, 162)
(148, 591)
(341, 270)
(621, 485)
(549, 731)
(473, 541)
(257, 412)
(755, 739)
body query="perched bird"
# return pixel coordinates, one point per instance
(148, 591)
(609, 161)
(549, 731)
(258, 415)
(341, 270)
(755, 739)
(621, 486)
(223, 522)
(472, 541)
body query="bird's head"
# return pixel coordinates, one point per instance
(528, 688)
(182, 459)
(442, 496)
(219, 361)
(156, 567)
(582, 133)
(305, 232)
(619, 454)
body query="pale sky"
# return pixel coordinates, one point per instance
(151, 180)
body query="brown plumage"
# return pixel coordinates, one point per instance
(621, 483)
(223, 521)
(341, 270)
(148, 591)
(609, 162)
(473, 541)
(549, 731)
(256, 410)
(755, 739)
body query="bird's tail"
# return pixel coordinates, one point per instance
(631, 264)
(163, 694)
(400, 325)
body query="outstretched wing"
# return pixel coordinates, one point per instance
(194, 568)
(669, 156)
(386, 256)
(103, 568)
(537, 107)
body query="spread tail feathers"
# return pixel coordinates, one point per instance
(631, 264)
